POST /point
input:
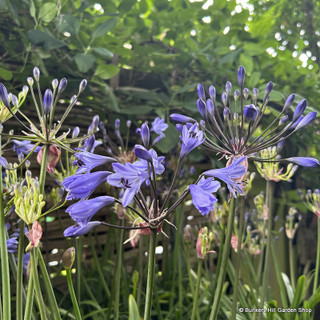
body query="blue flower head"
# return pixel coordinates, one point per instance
(23, 147)
(231, 175)
(191, 138)
(80, 229)
(202, 196)
(158, 126)
(157, 163)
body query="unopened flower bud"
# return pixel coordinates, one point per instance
(25, 90)
(27, 164)
(55, 83)
(246, 93)
(251, 112)
(202, 108)
(75, 132)
(210, 107)
(236, 95)
(82, 85)
(30, 81)
(212, 93)
(255, 93)
(201, 92)
(62, 85)
(145, 135)
(36, 73)
(269, 87)
(68, 258)
(128, 124)
(241, 76)
(73, 99)
(47, 101)
(228, 88)
(4, 95)
(202, 124)
(289, 102)
(226, 112)
(60, 193)
(15, 100)
(224, 98)
(284, 120)
(135, 278)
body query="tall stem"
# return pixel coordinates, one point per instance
(316, 274)
(224, 261)
(118, 274)
(30, 295)
(73, 295)
(195, 297)
(292, 264)
(19, 294)
(43, 169)
(269, 195)
(150, 279)
(238, 259)
(5, 275)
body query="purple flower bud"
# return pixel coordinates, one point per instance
(25, 90)
(304, 161)
(251, 111)
(299, 109)
(306, 120)
(246, 93)
(202, 108)
(181, 118)
(210, 107)
(294, 125)
(73, 99)
(284, 120)
(82, 85)
(94, 125)
(212, 93)
(55, 83)
(128, 123)
(241, 76)
(228, 88)
(236, 95)
(36, 73)
(224, 98)
(202, 124)
(300, 193)
(289, 102)
(226, 112)
(75, 132)
(30, 81)
(142, 153)
(15, 100)
(255, 93)
(62, 85)
(47, 101)
(4, 95)
(280, 144)
(4, 162)
(145, 135)
(117, 124)
(269, 87)
(201, 92)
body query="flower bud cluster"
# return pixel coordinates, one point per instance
(203, 242)
(292, 222)
(28, 200)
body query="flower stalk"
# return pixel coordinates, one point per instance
(316, 274)
(196, 294)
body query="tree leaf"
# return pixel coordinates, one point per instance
(70, 24)
(44, 39)
(103, 52)
(5, 74)
(170, 141)
(47, 12)
(84, 61)
(104, 28)
(106, 71)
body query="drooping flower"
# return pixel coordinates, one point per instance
(251, 111)
(304, 161)
(157, 163)
(142, 153)
(231, 175)
(88, 161)
(202, 196)
(181, 118)
(90, 144)
(81, 186)
(129, 177)
(23, 147)
(52, 159)
(190, 138)
(80, 229)
(158, 126)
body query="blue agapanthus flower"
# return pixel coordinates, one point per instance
(202, 196)
(304, 161)
(230, 175)
(191, 138)
(90, 144)
(23, 147)
(129, 177)
(82, 212)
(158, 126)
(88, 161)
(81, 186)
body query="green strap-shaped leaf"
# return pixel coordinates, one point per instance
(133, 309)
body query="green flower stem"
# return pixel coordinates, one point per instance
(196, 295)
(73, 295)
(30, 295)
(118, 274)
(49, 290)
(238, 259)
(78, 246)
(19, 294)
(43, 169)
(41, 304)
(150, 278)
(269, 195)
(260, 266)
(292, 264)
(224, 261)
(5, 274)
(316, 274)
(223, 236)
